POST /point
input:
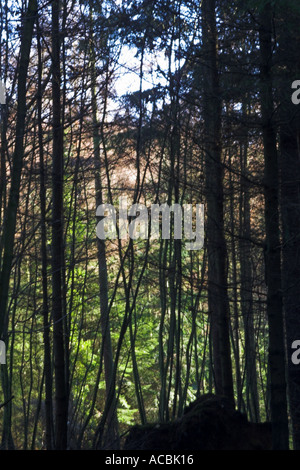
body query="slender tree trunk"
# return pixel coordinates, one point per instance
(216, 243)
(235, 330)
(279, 416)
(61, 402)
(9, 224)
(246, 285)
(46, 323)
(4, 26)
(289, 44)
(112, 433)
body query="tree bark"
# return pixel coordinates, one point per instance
(61, 402)
(216, 243)
(9, 223)
(289, 44)
(246, 285)
(111, 437)
(279, 416)
(46, 322)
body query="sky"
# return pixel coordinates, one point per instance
(129, 71)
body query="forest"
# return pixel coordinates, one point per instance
(149, 224)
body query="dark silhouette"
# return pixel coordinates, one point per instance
(209, 423)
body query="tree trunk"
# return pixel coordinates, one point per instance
(272, 247)
(111, 437)
(289, 44)
(46, 323)
(216, 244)
(61, 402)
(9, 223)
(246, 285)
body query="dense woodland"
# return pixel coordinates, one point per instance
(164, 102)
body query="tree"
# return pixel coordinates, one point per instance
(57, 244)
(287, 20)
(273, 252)
(112, 435)
(9, 224)
(216, 244)
(104, 334)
